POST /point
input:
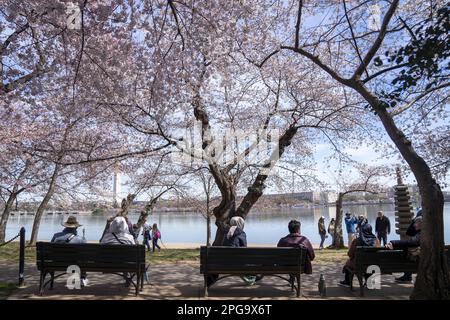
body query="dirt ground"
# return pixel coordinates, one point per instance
(184, 281)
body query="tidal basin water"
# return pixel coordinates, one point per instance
(261, 227)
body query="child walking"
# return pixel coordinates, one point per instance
(147, 235)
(156, 234)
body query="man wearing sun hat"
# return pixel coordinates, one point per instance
(69, 234)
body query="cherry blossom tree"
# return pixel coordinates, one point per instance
(368, 180)
(347, 49)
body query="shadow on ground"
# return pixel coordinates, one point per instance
(183, 281)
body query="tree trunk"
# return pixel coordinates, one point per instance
(433, 275)
(255, 191)
(223, 215)
(5, 215)
(43, 205)
(338, 239)
(433, 281)
(208, 230)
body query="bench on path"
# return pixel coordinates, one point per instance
(127, 261)
(389, 261)
(229, 261)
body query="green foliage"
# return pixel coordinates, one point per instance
(425, 57)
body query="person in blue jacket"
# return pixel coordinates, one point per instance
(350, 224)
(70, 235)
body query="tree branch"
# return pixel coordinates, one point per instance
(379, 40)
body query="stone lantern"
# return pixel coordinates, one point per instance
(403, 207)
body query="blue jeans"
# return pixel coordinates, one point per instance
(382, 236)
(146, 242)
(322, 237)
(155, 244)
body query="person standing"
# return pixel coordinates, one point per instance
(156, 235)
(362, 220)
(382, 227)
(146, 233)
(331, 228)
(350, 223)
(322, 231)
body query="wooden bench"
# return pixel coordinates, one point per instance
(229, 261)
(127, 261)
(389, 261)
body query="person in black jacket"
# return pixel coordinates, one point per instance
(382, 227)
(414, 231)
(236, 236)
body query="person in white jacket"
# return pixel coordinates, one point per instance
(118, 233)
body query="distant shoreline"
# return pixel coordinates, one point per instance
(111, 211)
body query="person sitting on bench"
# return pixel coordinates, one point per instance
(118, 233)
(365, 238)
(295, 239)
(236, 237)
(414, 242)
(70, 235)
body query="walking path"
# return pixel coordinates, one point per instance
(183, 281)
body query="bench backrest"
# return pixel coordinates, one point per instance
(261, 260)
(90, 256)
(388, 260)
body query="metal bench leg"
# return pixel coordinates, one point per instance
(138, 282)
(352, 275)
(41, 283)
(52, 274)
(205, 293)
(292, 281)
(361, 285)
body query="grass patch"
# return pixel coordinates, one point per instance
(330, 256)
(173, 256)
(6, 289)
(10, 253)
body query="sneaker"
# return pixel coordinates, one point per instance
(403, 279)
(249, 280)
(344, 283)
(84, 282)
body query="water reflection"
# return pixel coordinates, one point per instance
(261, 227)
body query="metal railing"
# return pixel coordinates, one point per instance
(21, 234)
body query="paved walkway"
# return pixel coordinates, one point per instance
(183, 281)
